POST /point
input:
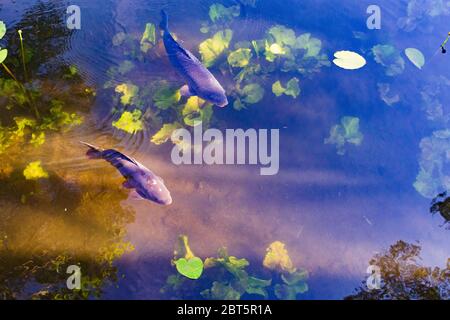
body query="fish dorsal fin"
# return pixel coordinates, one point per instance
(116, 154)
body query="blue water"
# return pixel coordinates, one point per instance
(333, 212)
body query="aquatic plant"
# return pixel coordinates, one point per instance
(292, 88)
(34, 171)
(433, 177)
(404, 278)
(130, 122)
(419, 14)
(416, 57)
(388, 56)
(148, 40)
(226, 277)
(349, 60)
(164, 134)
(211, 49)
(345, 132)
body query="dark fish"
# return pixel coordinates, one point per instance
(147, 185)
(200, 82)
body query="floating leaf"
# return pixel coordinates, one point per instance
(310, 44)
(166, 97)
(128, 91)
(212, 48)
(285, 292)
(346, 132)
(221, 291)
(2, 29)
(277, 258)
(390, 58)
(193, 112)
(252, 93)
(240, 57)
(130, 122)
(164, 134)
(292, 88)
(218, 12)
(190, 268)
(37, 139)
(349, 60)
(416, 57)
(3, 55)
(283, 35)
(34, 171)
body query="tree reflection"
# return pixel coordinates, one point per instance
(404, 278)
(49, 224)
(441, 205)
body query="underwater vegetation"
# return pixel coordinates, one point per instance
(250, 64)
(420, 12)
(347, 132)
(404, 278)
(226, 277)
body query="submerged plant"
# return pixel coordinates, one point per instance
(227, 277)
(346, 132)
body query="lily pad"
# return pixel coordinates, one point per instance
(128, 91)
(2, 29)
(130, 122)
(190, 268)
(211, 49)
(310, 44)
(416, 57)
(240, 57)
(3, 55)
(252, 93)
(164, 134)
(166, 97)
(283, 35)
(196, 111)
(277, 258)
(218, 12)
(34, 171)
(349, 60)
(385, 94)
(292, 88)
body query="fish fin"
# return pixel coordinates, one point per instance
(93, 152)
(164, 25)
(186, 92)
(111, 154)
(128, 184)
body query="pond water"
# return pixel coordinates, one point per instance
(345, 190)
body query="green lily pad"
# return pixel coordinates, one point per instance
(190, 268)
(3, 55)
(416, 57)
(211, 49)
(252, 93)
(218, 12)
(196, 111)
(282, 35)
(166, 97)
(164, 134)
(240, 57)
(2, 29)
(34, 171)
(130, 122)
(128, 91)
(292, 88)
(310, 44)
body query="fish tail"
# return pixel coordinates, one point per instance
(164, 25)
(93, 152)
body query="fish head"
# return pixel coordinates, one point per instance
(153, 189)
